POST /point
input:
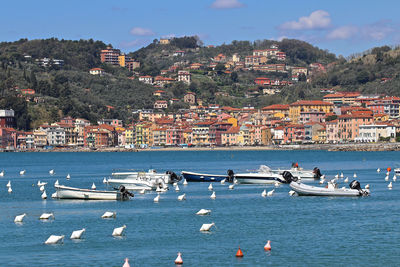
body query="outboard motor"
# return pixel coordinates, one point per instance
(173, 176)
(231, 175)
(356, 185)
(317, 173)
(125, 193)
(288, 177)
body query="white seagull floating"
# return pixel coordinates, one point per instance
(44, 195)
(39, 183)
(276, 184)
(46, 216)
(292, 193)
(346, 180)
(206, 227)
(177, 188)
(235, 181)
(56, 183)
(68, 176)
(270, 193)
(2, 173)
(394, 178)
(223, 181)
(390, 186)
(109, 214)
(54, 239)
(22, 172)
(210, 187)
(118, 231)
(93, 186)
(126, 263)
(213, 195)
(54, 195)
(157, 199)
(41, 188)
(19, 218)
(264, 193)
(378, 170)
(9, 184)
(387, 178)
(104, 180)
(321, 181)
(51, 172)
(175, 184)
(142, 191)
(337, 176)
(341, 175)
(9, 190)
(77, 234)
(182, 197)
(203, 212)
(367, 186)
(355, 175)
(231, 186)
(185, 182)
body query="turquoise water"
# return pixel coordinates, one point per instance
(304, 231)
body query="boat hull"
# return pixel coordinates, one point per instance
(131, 184)
(307, 190)
(200, 177)
(258, 178)
(65, 192)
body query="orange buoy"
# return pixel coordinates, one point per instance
(126, 264)
(267, 246)
(239, 253)
(179, 259)
(389, 169)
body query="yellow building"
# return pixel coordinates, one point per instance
(130, 136)
(121, 60)
(164, 41)
(232, 121)
(306, 106)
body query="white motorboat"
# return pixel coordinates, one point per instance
(296, 171)
(66, 192)
(135, 180)
(331, 190)
(262, 176)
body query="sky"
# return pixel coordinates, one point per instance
(343, 27)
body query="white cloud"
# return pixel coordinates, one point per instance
(226, 4)
(318, 19)
(344, 32)
(134, 43)
(141, 31)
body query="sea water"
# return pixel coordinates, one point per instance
(304, 231)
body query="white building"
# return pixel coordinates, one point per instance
(184, 76)
(372, 132)
(55, 135)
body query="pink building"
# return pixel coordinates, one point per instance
(174, 136)
(332, 131)
(293, 133)
(348, 124)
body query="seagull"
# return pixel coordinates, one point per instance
(394, 178)
(387, 178)
(51, 172)
(210, 187)
(142, 191)
(118, 231)
(9, 190)
(341, 175)
(77, 234)
(93, 186)
(68, 176)
(182, 197)
(177, 188)
(206, 226)
(126, 263)
(322, 177)
(54, 195)
(203, 212)
(46, 216)
(2, 173)
(337, 176)
(292, 193)
(276, 184)
(213, 196)
(378, 170)
(109, 214)
(346, 180)
(270, 193)
(39, 183)
(223, 181)
(390, 186)
(41, 188)
(56, 183)
(44, 195)
(235, 181)
(355, 175)
(22, 172)
(367, 186)
(19, 218)
(9, 184)
(185, 182)
(175, 184)
(104, 180)
(54, 239)
(321, 181)
(157, 198)
(387, 173)
(264, 193)
(231, 186)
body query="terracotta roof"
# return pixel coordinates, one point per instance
(276, 106)
(232, 130)
(311, 103)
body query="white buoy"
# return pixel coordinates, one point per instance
(51, 172)
(390, 186)
(292, 193)
(206, 227)
(142, 191)
(19, 218)
(9, 184)
(223, 181)
(367, 186)
(93, 186)
(119, 231)
(104, 180)
(185, 182)
(77, 234)
(231, 186)
(2, 173)
(22, 172)
(157, 199)
(109, 214)
(394, 178)
(387, 178)
(54, 239)
(177, 188)
(270, 193)
(41, 188)
(210, 187)
(346, 180)
(68, 176)
(9, 190)
(44, 195)
(46, 216)
(182, 197)
(355, 175)
(213, 195)
(203, 212)
(264, 193)
(56, 183)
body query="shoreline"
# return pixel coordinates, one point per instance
(325, 147)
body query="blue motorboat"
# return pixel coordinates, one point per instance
(202, 177)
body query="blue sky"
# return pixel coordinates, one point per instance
(342, 27)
